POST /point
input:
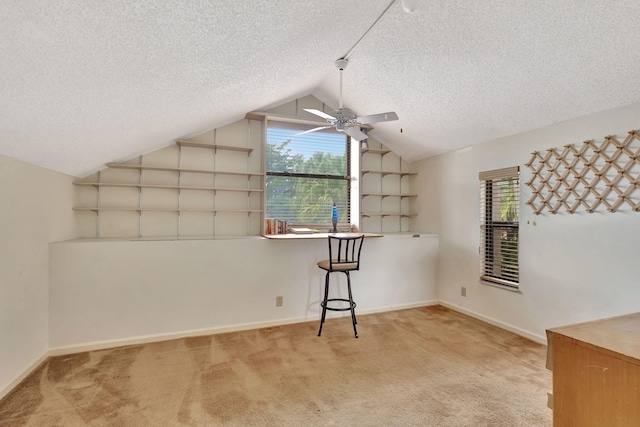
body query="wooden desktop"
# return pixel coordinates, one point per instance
(596, 373)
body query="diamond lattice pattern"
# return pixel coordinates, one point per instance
(596, 175)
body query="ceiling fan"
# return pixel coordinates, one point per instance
(345, 120)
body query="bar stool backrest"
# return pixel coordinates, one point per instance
(344, 253)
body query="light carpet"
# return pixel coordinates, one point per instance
(426, 366)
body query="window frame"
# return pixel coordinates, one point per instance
(347, 177)
(491, 231)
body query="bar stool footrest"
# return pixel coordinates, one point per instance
(351, 305)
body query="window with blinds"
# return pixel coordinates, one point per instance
(499, 226)
(306, 174)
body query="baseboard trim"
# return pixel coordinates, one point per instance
(523, 333)
(145, 339)
(25, 373)
(101, 345)
(398, 307)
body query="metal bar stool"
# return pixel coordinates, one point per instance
(344, 257)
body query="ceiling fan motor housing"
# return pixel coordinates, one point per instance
(344, 115)
(343, 119)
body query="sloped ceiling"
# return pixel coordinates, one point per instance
(87, 82)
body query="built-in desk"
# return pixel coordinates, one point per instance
(317, 235)
(596, 372)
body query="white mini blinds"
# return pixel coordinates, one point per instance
(306, 174)
(499, 222)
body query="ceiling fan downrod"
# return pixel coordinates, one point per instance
(341, 64)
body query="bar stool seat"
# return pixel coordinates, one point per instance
(344, 257)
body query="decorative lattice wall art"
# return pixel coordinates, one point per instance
(604, 175)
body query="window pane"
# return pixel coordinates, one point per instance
(306, 200)
(312, 153)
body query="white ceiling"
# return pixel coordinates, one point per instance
(87, 82)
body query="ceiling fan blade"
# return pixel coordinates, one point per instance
(311, 130)
(355, 133)
(320, 113)
(375, 118)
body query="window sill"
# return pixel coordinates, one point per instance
(316, 236)
(498, 285)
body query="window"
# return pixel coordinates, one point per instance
(499, 221)
(306, 174)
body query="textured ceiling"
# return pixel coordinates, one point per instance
(87, 82)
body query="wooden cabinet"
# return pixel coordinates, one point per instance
(596, 373)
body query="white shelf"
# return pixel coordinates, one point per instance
(383, 195)
(182, 143)
(169, 169)
(169, 187)
(111, 209)
(383, 173)
(401, 214)
(382, 151)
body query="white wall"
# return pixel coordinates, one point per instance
(573, 267)
(106, 293)
(35, 209)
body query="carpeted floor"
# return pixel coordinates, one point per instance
(420, 367)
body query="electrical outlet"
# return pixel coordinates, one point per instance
(463, 291)
(278, 301)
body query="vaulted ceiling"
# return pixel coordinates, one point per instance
(85, 82)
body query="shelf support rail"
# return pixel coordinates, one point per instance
(140, 202)
(400, 198)
(215, 193)
(248, 177)
(179, 190)
(98, 232)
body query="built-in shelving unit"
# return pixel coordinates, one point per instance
(180, 190)
(385, 191)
